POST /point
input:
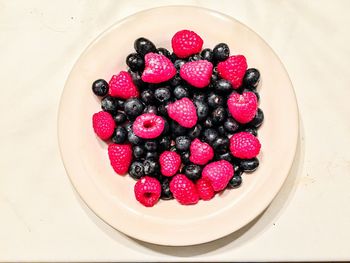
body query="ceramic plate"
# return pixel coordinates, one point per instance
(111, 196)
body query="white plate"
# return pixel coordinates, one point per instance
(111, 196)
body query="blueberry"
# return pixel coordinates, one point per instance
(251, 78)
(173, 57)
(151, 167)
(100, 87)
(147, 96)
(150, 109)
(195, 57)
(215, 100)
(151, 145)
(192, 171)
(120, 135)
(213, 79)
(202, 110)
(235, 181)
(120, 103)
(221, 144)
(143, 46)
(252, 131)
(249, 165)
(164, 52)
(221, 52)
(162, 110)
(135, 62)
(109, 104)
(119, 118)
(258, 119)
(180, 92)
(128, 127)
(208, 123)
(166, 193)
(195, 131)
(138, 152)
(237, 171)
(185, 157)
(162, 94)
(182, 143)
(133, 108)
(133, 139)
(177, 129)
(221, 130)
(199, 96)
(223, 86)
(152, 156)
(136, 170)
(231, 125)
(207, 54)
(179, 63)
(164, 143)
(225, 156)
(175, 81)
(218, 115)
(136, 78)
(210, 135)
(166, 129)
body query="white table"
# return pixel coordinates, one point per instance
(43, 219)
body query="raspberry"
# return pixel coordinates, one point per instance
(218, 173)
(233, 69)
(103, 124)
(201, 152)
(122, 86)
(158, 68)
(148, 126)
(197, 73)
(185, 43)
(170, 163)
(244, 145)
(147, 191)
(184, 190)
(204, 188)
(243, 107)
(184, 112)
(120, 156)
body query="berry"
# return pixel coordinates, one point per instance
(218, 173)
(199, 96)
(120, 156)
(143, 46)
(133, 108)
(180, 92)
(148, 126)
(120, 135)
(184, 112)
(233, 69)
(147, 96)
(166, 193)
(151, 167)
(103, 124)
(235, 181)
(237, 171)
(195, 131)
(147, 191)
(218, 115)
(158, 68)
(251, 78)
(179, 63)
(184, 190)
(252, 131)
(210, 135)
(135, 62)
(249, 165)
(133, 139)
(197, 73)
(231, 125)
(151, 109)
(162, 110)
(177, 129)
(122, 86)
(207, 54)
(208, 123)
(242, 107)
(204, 189)
(223, 86)
(136, 79)
(202, 109)
(186, 43)
(244, 145)
(162, 94)
(221, 52)
(192, 171)
(164, 52)
(119, 103)
(225, 156)
(215, 100)
(221, 144)
(152, 156)
(151, 145)
(221, 130)
(100, 87)
(138, 152)
(109, 104)
(185, 157)
(169, 163)
(136, 170)
(182, 143)
(201, 152)
(175, 81)
(257, 120)
(164, 143)
(195, 57)
(119, 118)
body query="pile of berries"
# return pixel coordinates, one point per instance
(183, 124)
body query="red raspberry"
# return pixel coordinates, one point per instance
(233, 69)
(103, 124)
(186, 43)
(170, 163)
(148, 126)
(184, 190)
(147, 191)
(201, 152)
(158, 68)
(218, 173)
(204, 188)
(197, 73)
(122, 86)
(120, 156)
(184, 112)
(244, 145)
(243, 107)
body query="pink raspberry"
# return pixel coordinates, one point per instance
(197, 73)
(103, 124)
(186, 43)
(148, 126)
(243, 107)
(158, 68)
(147, 191)
(170, 163)
(184, 190)
(233, 69)
(204, 188)
(218, 173)
(122, 86)
(184, 112)
(244, 145)
(200, 152)
(120, 156)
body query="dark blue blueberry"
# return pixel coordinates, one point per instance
(249, 165)
(120, 135)
(182, 143)
(136, 170)
(109, 104)
(207, 54)
(143, 46)
(221, 52)
(192, 171)
(251, 78)
(133, 108)
(135, 62)
(100, 87)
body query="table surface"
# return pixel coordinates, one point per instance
(43, 219)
